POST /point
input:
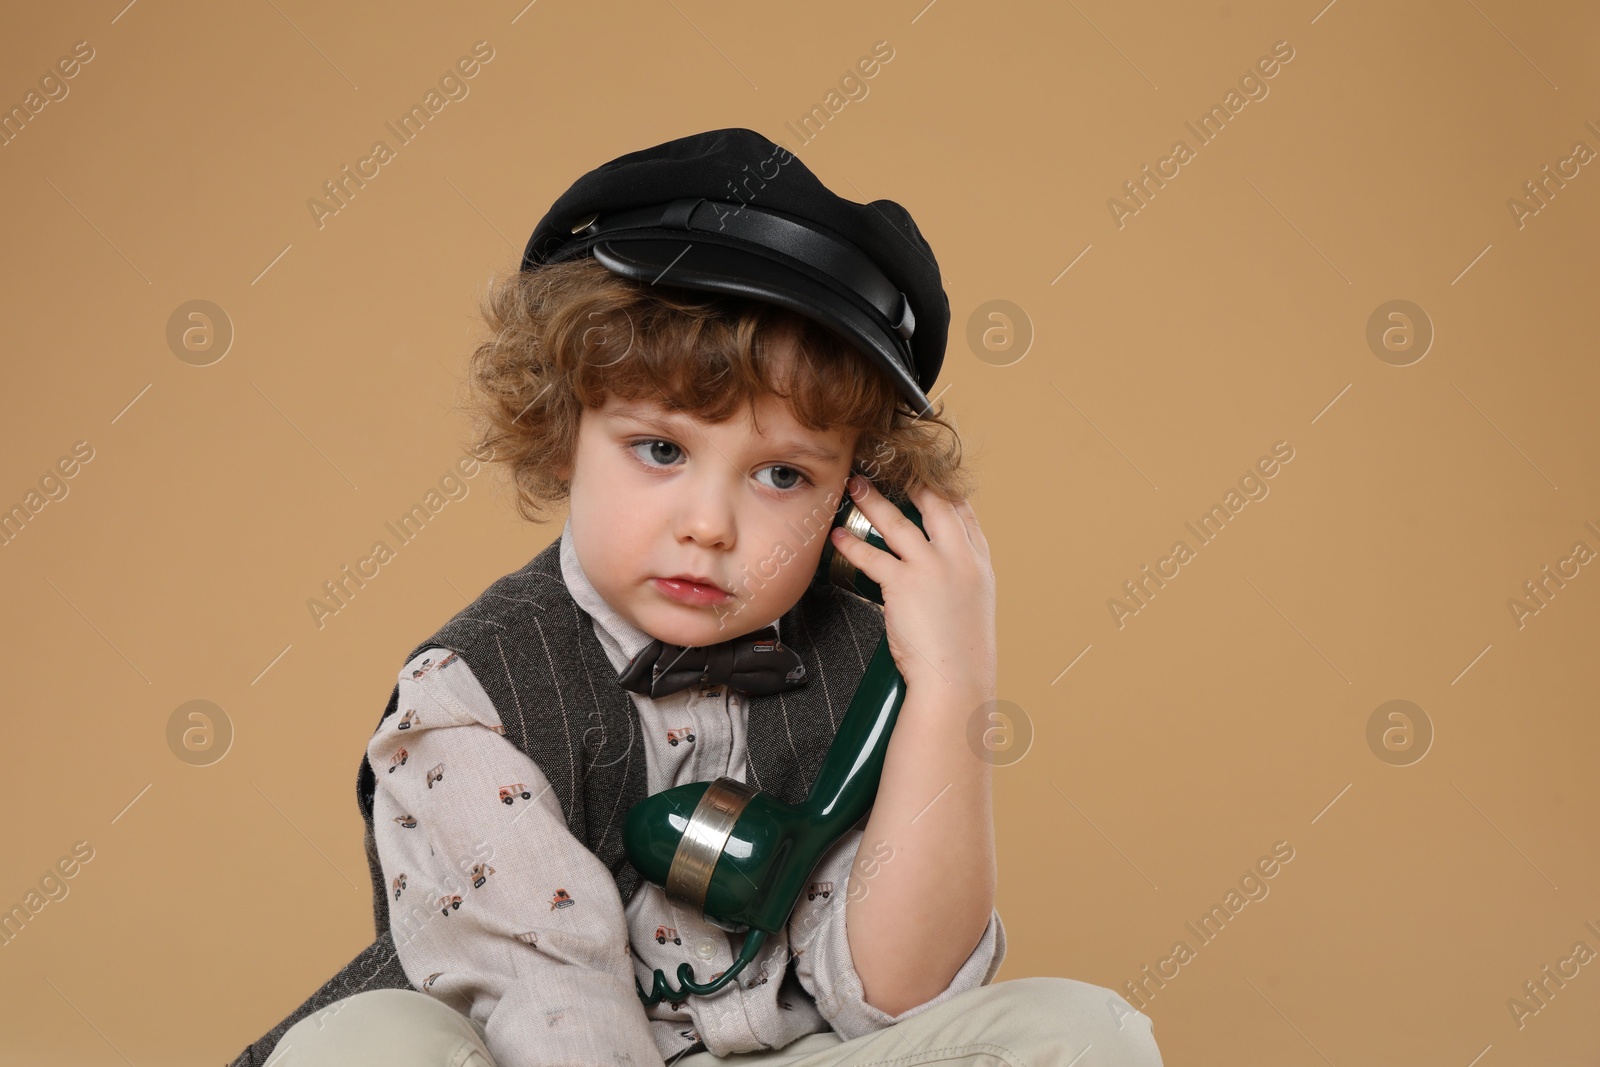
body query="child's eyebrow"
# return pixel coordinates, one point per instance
(791, 448)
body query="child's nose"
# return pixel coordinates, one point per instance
(707, 514)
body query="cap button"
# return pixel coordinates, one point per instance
(584, 224)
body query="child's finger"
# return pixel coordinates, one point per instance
(974, 531)
(940, 519)
(898, 532)
(866, 558)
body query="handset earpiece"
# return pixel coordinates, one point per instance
(835, 569)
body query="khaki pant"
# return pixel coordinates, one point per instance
(1026, 1022)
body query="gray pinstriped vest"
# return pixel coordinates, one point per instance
(534, 651)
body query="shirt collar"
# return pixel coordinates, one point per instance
(621, 639)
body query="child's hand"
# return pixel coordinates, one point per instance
(938, 597)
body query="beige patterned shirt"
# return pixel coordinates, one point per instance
(500, 912)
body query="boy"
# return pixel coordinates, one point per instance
(702, 444)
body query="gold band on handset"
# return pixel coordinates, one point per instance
(841, 571)
(703, 840)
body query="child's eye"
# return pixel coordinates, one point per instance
(661, 453)
(790, 479)
(657, 447)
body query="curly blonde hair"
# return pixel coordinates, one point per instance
(566, 336)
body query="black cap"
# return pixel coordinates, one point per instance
(731, 212)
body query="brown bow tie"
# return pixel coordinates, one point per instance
(757, 663)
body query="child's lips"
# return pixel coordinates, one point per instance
(686, 592)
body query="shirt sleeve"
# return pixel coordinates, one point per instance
(496, 908)
(825, 968)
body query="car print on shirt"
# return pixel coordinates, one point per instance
(407, 820)
(667, 933)
(429, 665)
(427, 983)
(436, 774)
(819, 889)
(408, 720)
(398, 760)
(399, 884)
(449, 902)
(561, 899)
(480, 874)
(759, 979)
(682, 733)
(509, 793)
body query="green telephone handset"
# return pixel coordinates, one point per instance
(741, 857)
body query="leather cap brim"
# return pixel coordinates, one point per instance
(723, 268)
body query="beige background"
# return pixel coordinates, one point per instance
(1228, 314)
